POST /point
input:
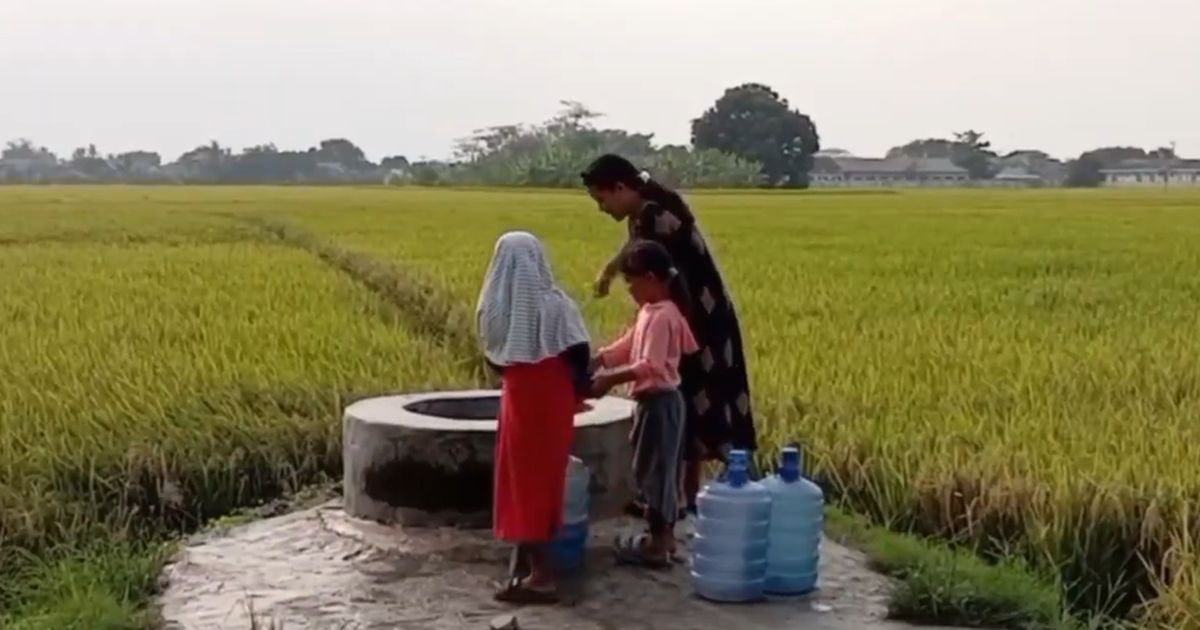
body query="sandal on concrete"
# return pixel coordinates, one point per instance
(632, 550)
(518, 591)
(672, 554)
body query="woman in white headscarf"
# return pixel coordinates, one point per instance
(533, 333)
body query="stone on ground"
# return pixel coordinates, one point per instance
(505, 622)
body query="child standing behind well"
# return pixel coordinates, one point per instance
(648, 356)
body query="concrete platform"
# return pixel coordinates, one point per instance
(320, 568)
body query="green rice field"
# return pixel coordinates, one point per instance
(1017, 372)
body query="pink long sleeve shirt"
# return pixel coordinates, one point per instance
(653, 347)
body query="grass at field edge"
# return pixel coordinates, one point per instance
(941, 586)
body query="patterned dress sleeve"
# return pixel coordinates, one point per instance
(656, 223)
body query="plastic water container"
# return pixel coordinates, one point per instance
(570, 544)
(797, 518)
(729, 553)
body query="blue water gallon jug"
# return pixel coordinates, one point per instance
(570, 544)
(729, 553)
(797, 518)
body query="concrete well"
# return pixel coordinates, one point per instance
(426, 459)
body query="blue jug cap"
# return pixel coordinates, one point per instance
(789, 470)
(738, 473)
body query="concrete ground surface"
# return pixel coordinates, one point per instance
(319, 569)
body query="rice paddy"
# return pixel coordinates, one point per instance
(1014, 371)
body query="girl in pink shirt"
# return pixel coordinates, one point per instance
(648, 356)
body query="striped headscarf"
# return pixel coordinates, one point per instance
(523, 315)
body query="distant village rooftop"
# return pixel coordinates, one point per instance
(1153, 172)
(841, 169)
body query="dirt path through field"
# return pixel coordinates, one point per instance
(320, 569)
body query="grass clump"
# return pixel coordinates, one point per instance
(943, 586)
(100, 586)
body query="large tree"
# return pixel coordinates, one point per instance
(753, 122)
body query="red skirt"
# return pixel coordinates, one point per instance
(533, 440)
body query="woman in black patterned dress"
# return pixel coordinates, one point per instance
(715, 383)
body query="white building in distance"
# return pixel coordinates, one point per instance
(839, 169)
(1153, 172)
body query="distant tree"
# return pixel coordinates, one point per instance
(753, 122)
(680, 166)
(1084, 172)
(24, 149)
(266, 163)
(135, 165)
(429, 173)
(1031, 154)
(547, 154)
(487, 141)
(21, 148)
(973, 153)
(1162, 153)
(343, 152)
(207, 162)
(552, 153)
(394, 163)
(210, 152)
(134, 160)
(21, 160)
(573, 117)
(968, 150)
(86, 161)
(927, 148)
(1111, 156)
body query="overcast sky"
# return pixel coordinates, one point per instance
(410, 76)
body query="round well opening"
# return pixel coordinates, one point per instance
(476, 408)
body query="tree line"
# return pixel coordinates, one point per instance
(333, 161)
(750, 137)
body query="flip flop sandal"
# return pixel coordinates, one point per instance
(673, 555)
(632, 550)
(518, 592)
